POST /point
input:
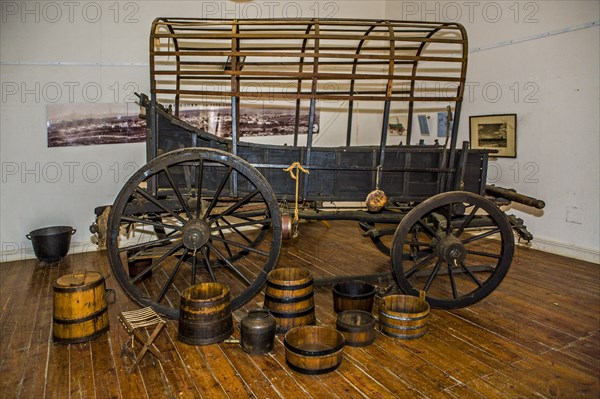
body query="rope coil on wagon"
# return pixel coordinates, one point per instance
(290, 169)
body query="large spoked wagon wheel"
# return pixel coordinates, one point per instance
(189, 216)
(456, 246)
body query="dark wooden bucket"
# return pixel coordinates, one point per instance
(314, 349)
(404, 316)
(353, 295)
(357, 326)
(80, 310)
(205, 314)
(289, 297)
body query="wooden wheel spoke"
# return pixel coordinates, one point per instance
(449, 218)
(153, 200)
(470, 274)
(237, 244)
(243, 224)
(419, 243)
(487, 254)
(208, 265)
(165, 287)
(452, 282)
(223, 237)
(199, 171)
(428, 229)
(151, 223)
(237, 205)
(229, 264)
(177, 193)
(148, 244)
(419, 265)
(218, 192)
(480, 236)
(157, 262)
(433, 274)
(240, 233)
(466, 222)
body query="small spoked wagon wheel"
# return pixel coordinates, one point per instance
(456, 246)
(189, 216)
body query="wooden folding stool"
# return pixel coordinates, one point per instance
(133, 321)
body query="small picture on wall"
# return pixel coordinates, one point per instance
(423, 125)
(442, 128)
(90, 124)
(495, 132)
(397, 126)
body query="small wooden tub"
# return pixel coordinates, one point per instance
(404, 316)
(314, 349)
(353, 295)
(205, 314)
(289, 297)
(357, 326)
(80, 309)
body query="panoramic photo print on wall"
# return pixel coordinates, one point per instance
(91, 124)
(254, 121)
(495, 132)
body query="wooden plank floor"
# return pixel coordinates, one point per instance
(537, 335)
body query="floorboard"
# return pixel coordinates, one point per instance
(537, 335)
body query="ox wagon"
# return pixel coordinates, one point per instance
(213, 205)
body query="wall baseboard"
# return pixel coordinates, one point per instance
(568, 250)
(20, 251)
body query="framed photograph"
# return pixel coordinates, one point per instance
(495, 132)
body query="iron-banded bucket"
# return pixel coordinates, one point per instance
(404, 316)
(289, 297)
(353, 295)
(205, 314)
(80, 309)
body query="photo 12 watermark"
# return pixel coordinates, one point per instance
(54, 12)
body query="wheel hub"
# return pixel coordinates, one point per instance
(451, 249)
(195, 234)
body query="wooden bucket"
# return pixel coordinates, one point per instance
(80, 310)
(205, 314)
(289, 297)
(404, 316)
(357, 326)
(353, 295)
(314, 349)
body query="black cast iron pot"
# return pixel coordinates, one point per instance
(51, 243)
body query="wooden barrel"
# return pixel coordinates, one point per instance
(353, 295)
(80, 310)
(314, 349)
(404, 316)
(289, 297)
(205, 314)
(357, 326)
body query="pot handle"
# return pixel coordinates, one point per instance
(28, 236)
(73, 231)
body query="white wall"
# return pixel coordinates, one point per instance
(89, 51)
(551, 83)
(557, 135)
